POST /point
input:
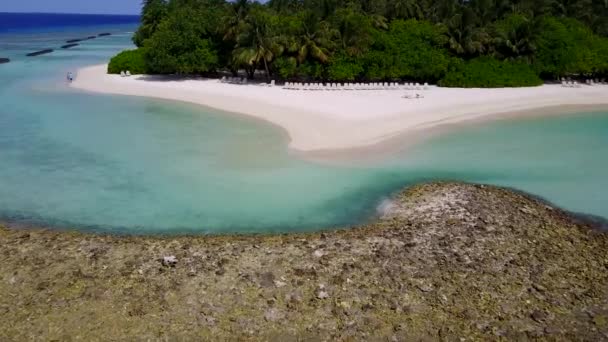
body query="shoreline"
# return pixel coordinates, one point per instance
(341, 123)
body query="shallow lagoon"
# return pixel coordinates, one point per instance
(132, 165)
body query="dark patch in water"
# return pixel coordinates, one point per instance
(69, 46)
(4, 60)
(104, 34)
(38, 53)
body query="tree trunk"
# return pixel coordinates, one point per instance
(266, 67)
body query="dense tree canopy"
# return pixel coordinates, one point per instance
(460, 42)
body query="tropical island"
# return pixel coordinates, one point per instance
(450, 43)
(442, 261)
(482, 61)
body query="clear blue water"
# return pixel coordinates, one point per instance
(40, 22)
(70, 159)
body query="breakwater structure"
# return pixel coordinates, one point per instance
(4, 60)
(76, 40)
(41, 52)
(67, 46)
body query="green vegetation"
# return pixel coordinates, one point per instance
(487, 72)
(131, 60)
(478, 43)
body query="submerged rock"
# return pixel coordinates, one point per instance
(4, 60)
(447, 261)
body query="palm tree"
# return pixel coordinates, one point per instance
(464, 37)
(353, 30)
(234, 21)
(256, 43)
(405, 9)
(312, 38)
(513, 36)
(152, 13)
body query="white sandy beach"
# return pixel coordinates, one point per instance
(334, 120)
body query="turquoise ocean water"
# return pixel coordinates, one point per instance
(70, 159)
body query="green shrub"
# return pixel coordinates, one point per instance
(286, 67)
(131, 60)
(410, 49)
(487, 72)
(344, 68)
(311, 70)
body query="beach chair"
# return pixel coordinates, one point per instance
(426, 86)
(122, 74)
(272, 83)
(223, 79)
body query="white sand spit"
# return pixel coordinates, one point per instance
(334, 120)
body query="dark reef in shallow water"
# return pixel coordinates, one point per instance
(447, 261)
(104, 34)
(74, 40)
(38, 53)
(4, 60)
(69, 46)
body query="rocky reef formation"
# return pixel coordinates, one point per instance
(447, 261)
(4, 60)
